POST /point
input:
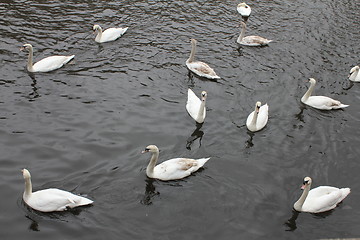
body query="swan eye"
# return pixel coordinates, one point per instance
(147, 149)
(306, 182)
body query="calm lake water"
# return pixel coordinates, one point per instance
(82, 128)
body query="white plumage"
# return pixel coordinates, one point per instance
(47, 64)
(354, 74)
(243, 9)
(196, 107)
(320, 102)
(110, 34)
(52, 199)
(173, 169)
(258, 118)
(320, 199)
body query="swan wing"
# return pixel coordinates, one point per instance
(202, 69)
(193, 104)
(324, 198)
(263, 117)
(51, 63)
(112, 34)
(178, 168)
(324, 103)
(254, 41)
(52, 199)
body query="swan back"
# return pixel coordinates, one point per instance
(173, 169)
(110, 34)
(252, 41)
(354, 74)
(199, 68)
(243, 9)
(47, 64)
(320, 199)
(196, 107)
(320, 102)
(52, 199)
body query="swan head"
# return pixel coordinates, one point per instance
(203, 96)
(26, 47)
(96, 27)
(151, 149)
(244, 5)
(26, 174)
(312, 80)
(356, 68)
(193, 41)
(257, 106)
(244, 9)
(307, 182)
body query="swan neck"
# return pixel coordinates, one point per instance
(255, 117)
(152, 163)
(28, 187)
(30, 60)
(201, 112)
(192, 53)
(308, 92)
(298, 205)
(242, 33)
(99, 34)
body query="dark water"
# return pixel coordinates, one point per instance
(82, 127)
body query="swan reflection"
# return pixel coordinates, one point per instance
(150, 192)
(197, 134)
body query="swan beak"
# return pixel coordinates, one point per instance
(303, 187)
(22, 48)
(145, 151)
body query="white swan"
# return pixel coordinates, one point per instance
(258, 118)
(244, 9)
(172, 169)
(320, 102)
(109, 34)
(47, 64)
(52, 199)
(195, 106)
(320, 199)
(199, 68)
(252, 41)
(354, 74)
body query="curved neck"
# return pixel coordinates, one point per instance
(255, 117)
(201, 111)
(242, 33)
(152, 163)
(300, 202)
(28, 187)
(192, 53)
(308, 92)
(30, 60)
(99, 34)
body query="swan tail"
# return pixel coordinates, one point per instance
(202, 161)
(344, 193)
(69, 58)
(83, 201)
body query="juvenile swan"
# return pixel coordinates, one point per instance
(52, 199)
(320, 102)
(354, 74)
(252, 41)
(320, 199)
(244, 9)
(195, 106)
(110, 34)
(258, 118)
(199, 68)
(47, 64)
(172, 169)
